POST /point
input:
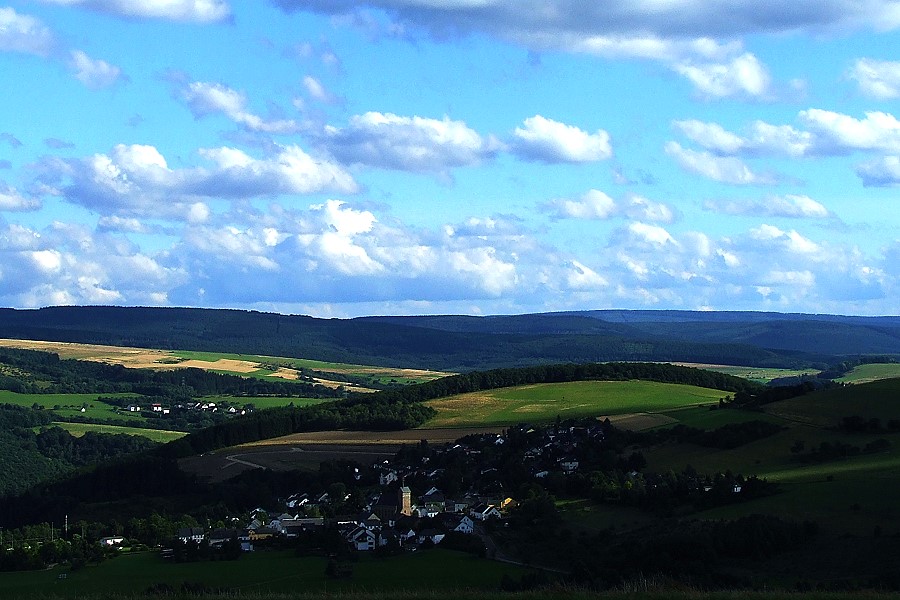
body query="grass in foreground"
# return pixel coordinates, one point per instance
(264, 572)
(542, 403)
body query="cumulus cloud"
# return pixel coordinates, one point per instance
(70, 264)
(416, 144)
(24, 33)
(878, 79)
(577, 22)
(701, 45)
(94, 73)
(760, 139)
(205, 98)
(789, 205)
(726, 169)
(595, 204)
(743, 75)
(200, 11)
(882, 172)
(11, 200)
(135, 180)
(545, 140)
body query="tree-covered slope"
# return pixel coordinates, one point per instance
(444, 343)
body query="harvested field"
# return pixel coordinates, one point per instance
(304, 451)
(223, 364)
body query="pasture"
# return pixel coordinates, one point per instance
(871, 372)
(876, 399)
(544, 402)
(848, 495)
(157, 435)
(263, 572)
(756, 374)
(70, 405)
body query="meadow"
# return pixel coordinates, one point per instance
(262, 572)
(848, 495)
(871, 372)
(157, 435)
(544, 402)
(70, 405)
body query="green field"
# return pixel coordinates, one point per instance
(849, 495)
(757, 374)
(261, 402)
(872, 372)
(156, 435)
(70, 405)
(264, 572)
(544, 402)
(875, 399)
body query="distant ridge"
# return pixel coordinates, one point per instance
(462, 343)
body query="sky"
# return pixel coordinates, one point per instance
(341, 158)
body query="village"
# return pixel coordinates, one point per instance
(420, 498)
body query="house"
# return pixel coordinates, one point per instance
(362, 539)
(388, 477)
(133, 408)
(261, 533)
(483, 512)
(568, 465)
(156, 407)
(191, 534)
(217, 537)
(431, 535)
(458, 523)
(115, 540)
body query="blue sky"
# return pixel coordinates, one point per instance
(345, 158)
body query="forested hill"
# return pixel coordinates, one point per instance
(469, 343)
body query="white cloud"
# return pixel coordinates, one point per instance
(93, 73)
(723, 169)
(651, 234)
(581, 277)
(135, 180)
(205, 98)
(761, 139)
(789, 205)
(743, 75)
(11, 200)
(415, 144)
(200, 11)
(878, 79)
(577, 23)
(24, 33)
(837, 133)
(594, 204)
(882, 172)
(318, 92)
(550, 141)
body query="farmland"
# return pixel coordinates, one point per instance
(70, 405)
(543, 403)
(872, 372)
(236, 364)
(157, 435)
(261, 572)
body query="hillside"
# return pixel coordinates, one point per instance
(461, 343)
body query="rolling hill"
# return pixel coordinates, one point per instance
(465, 343)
